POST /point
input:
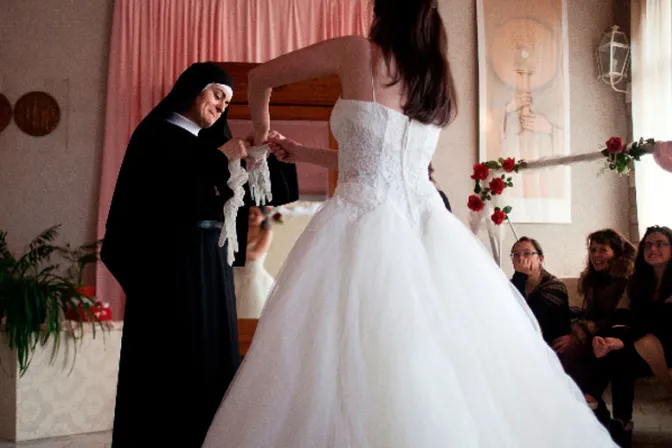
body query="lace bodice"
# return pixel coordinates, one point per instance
(383, 156)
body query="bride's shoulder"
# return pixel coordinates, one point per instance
(356, 46)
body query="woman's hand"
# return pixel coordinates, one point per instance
(285, 149)
(602, 346)
(235, 149)
(560, 344)
(523, 265)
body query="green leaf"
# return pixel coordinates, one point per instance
(33, 295)
(492, 164)
(507, 209)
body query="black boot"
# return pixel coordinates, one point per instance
(602, 413)
(621, 433)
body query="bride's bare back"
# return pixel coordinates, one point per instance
(353, 58)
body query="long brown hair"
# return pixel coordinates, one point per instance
(412, 32)
(621, 265)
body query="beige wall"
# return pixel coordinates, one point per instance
(284, 237)
(66, 41)
(596, 113)
(60, 45)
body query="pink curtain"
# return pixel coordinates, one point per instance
(153, 41)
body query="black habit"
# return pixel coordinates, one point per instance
(180, 340)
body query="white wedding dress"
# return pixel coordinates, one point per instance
(253, 283)
(390, 325)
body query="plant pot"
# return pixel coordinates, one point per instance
(63, 392)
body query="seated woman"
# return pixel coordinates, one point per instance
(545, 294)
(639, 341)
(252, 281)
(611, 259)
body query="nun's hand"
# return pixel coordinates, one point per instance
(235, 149)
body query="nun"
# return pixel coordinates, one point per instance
(179, 349)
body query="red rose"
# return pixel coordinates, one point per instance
(615, 145)
(475, 203)
(497, 185)
(498, 217)
(481, 171)
(509, 164)
(277, 217)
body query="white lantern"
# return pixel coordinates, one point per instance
(613, 56)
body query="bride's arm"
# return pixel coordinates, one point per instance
(289, 151)
(347, 57)
(327, 158)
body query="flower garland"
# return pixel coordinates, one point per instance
(620, 158)
(496, 186)
(276, 217)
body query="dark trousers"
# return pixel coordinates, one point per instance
(621, 368)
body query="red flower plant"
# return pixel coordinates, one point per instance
(498, 216)
(615, 145)
(481, 171)
(509, 164)
(497, 185)
(475, 203)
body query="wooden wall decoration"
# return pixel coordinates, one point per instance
(5, 112)
(311, 100)
(37, 113)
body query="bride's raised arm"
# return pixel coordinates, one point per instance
(347, 57)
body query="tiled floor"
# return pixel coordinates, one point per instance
(652, 417)
(96, 440)
(653, 426)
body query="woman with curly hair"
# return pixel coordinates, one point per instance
(609, 265)
(639, 341)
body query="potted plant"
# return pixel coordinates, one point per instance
(33, 295)
(79, 258)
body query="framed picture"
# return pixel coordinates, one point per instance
(524, 101)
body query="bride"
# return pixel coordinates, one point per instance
(252, 281)
(389, 324)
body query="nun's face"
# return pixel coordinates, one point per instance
(209, 106)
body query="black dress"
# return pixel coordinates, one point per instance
(180, 342)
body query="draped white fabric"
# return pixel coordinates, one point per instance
(652, 104)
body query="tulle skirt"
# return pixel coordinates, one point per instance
(378, 333)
